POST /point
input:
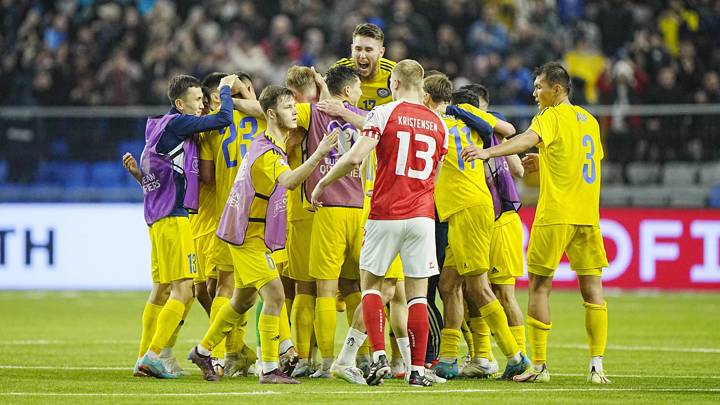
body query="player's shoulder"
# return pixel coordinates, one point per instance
(584, 115)
(345, 62)
(387, 65)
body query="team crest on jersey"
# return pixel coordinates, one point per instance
(383, 92)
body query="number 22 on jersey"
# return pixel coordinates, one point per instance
(425, 155)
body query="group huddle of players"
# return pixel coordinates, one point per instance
(370, 187)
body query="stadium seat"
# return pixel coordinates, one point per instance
(612, 173)
(710, 174)
(650, 196)
(3, 171)
(107, 174)
(614, 196)
(59, 149)
(642, 173)
(688, 196)
(73, 174)
(714, 199)
(133, 146)
(680, 173)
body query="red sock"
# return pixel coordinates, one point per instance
(374, 318)
(418, 328)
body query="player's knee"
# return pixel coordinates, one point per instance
(448, 287)
(591, 289)
(326, 288)
(305, 288)
(347, 286)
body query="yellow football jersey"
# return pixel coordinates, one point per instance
(377, 90)
(231, 144)
(264, 172)
(296, 200)
(570, 156)
(204, 221)
(461, 184)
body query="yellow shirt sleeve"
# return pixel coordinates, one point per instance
(486, 116)
(545, 125)
(266, 170)
(303, 115)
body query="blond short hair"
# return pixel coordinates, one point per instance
(409, 72)
(300, 78)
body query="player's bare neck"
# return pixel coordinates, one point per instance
(562, 100)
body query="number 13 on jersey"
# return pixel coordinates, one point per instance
(425, 155)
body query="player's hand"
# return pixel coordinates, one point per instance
(315, 196)
(129, 162)
(328, 142)
(531, 162)
(334, 108)
(472, 152)
(228, 80)
(369, 193)
(319, 80)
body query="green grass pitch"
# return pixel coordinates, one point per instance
(69, 347)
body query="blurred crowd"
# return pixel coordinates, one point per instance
(97, 52)
(85, 52)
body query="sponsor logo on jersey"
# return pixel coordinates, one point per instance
(383, 92)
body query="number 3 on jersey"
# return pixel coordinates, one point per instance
(589, 173)
(425, 155)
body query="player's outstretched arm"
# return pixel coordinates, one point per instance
(516, 145)
(130, 164)
(336, 108)
(249, 107)
(293, 178)
(504, 128)
(344, 165)
(515, 166)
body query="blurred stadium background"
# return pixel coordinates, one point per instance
(78, 78)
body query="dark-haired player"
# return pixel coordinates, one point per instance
(567, 217)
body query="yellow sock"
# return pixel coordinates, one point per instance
(468, 337)
(173, 338)
(496, 319)
(325, 320)
(519, 334)
(596, 325)
(284, 325)
(351, 303)
(218, 302)
(149, 325)
(449, 343)
(302, 316)
(167, 321)
(225, 321)
(269, 328)
(235, 340)
(481, 337)
(537, 337)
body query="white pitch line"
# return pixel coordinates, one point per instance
(357, 392)
(128, 368)
(44, 342)
(644, 348)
